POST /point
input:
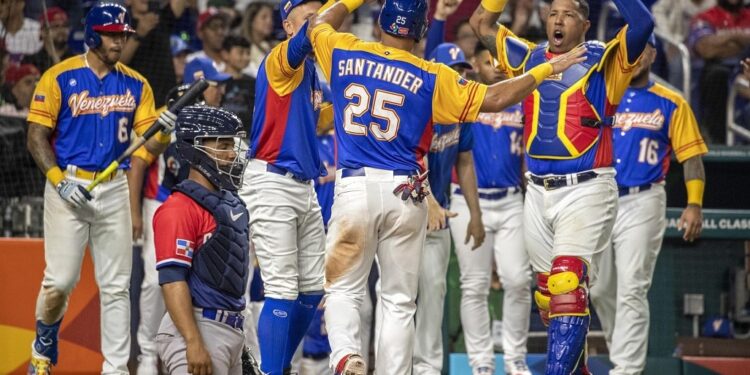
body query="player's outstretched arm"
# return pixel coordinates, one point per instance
(640, 26)
(333, 13)
(180, 308)
(506, 93)
(484, 22)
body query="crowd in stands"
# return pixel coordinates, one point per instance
(235, 36)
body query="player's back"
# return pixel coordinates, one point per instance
(385, 100)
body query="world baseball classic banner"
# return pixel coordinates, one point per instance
(717, 224)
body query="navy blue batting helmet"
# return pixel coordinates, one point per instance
(197, 124)
(404, 18)
(105, 17)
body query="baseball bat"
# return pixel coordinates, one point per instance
(189, 96)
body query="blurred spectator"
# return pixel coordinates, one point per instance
(466, 39)
(203, 67)
(719, 38)
(180, 50)
(55, 29)
(212, 28)
(743, 82)
(257, 28)
(148, 50)
(21, 34)
(16, 92)
(240, 90)
(672, 17)
(227, 7)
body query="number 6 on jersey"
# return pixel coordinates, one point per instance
(378, 110)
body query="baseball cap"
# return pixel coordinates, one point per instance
(450, 54)
(15, 73)
(53, 14)
(178, 45)
(209, 14)
(286, 6)
(203, 67)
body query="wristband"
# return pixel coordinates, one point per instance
(55, 175)
(494, 6)
(163, 138)
(541, 72)
(351, 5)
(695, 190)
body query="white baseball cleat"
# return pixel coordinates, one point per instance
(40, 366)
(517, 367)
(352, 364)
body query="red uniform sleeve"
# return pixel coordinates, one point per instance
(176, 233)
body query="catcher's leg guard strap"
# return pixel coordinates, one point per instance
(567, 285)
(542, 296)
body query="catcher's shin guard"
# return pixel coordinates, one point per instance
(568, 316)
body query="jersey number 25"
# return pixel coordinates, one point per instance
(378, 109)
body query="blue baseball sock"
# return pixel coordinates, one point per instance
(274, 326)
(46, 339)
(304, 311)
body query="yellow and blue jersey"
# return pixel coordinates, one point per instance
(498, 148)
(92, 118)
(447, 142)
(386, 100)
(287, 105)
(651, 123)
(568, 117)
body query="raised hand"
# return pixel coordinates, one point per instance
(562, 62)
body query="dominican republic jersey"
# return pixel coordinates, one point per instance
(287, 104)
(92, 118)
(568, 118)
(385, 100)
(498, 148)
(181, 227)
(652, 122)
(324, 185)
(447, 142)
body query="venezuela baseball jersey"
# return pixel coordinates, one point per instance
(385, 100)
(568, 117)
(652, 122)
(91, 117)
(181, 227)
(498, 148)
(287, 103)
(447, 142)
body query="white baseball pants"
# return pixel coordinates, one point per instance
(368, 219)
(104, 224)
(287, 231)
(503, 222)
(574, 220)
(152, 307)
(428, 345)
(626, 269)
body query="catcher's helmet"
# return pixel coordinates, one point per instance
(105, 17)
(197, 124)
(404, 18)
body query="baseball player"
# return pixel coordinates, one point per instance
(202, 248)
(571, 200)
(149, 186)
(652, 122)
(286, 222)
(450, 147)
(498, 150)
(81, 118)
(385, 100)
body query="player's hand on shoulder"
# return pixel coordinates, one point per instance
(691, 222)
(199, 361)
(562, 62)
(74, 193)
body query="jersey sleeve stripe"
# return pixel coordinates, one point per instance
(469, 103)
(689, 145)
(147, 120)
(173, 262)
(41, 113)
